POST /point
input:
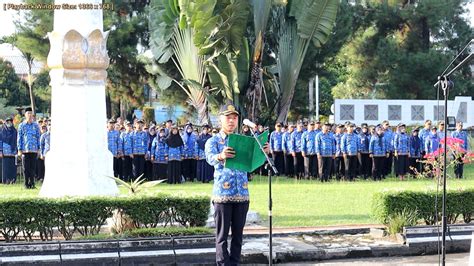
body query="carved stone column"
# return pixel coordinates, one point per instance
(79, 161)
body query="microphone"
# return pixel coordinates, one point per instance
(249, 123)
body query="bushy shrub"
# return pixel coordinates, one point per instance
(148, 114)
(397, 221)
(86, 216)
(458, 204)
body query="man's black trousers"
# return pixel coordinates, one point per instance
(229, 216)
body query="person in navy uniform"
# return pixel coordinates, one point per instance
(44, 148)
(378, 153)
(139, 147)
(388, 136)
(296, 149)
(113, 142)
(159, 156)
(365, 163)
(8, 150)
(230, 195)
(175, 155)
(424, 133)
(462, 135)
(308, 144)
(204, 171)
(350, 151)
(126, 150)
(190, 153)
(29, 146)
(415, 152)
(401, 146)
(276, 148)
(286, 141)
(339, 166)
(148, 163)
(325, 149)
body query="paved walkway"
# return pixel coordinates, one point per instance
(459, 259)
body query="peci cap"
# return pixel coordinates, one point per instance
(28, 109)
(111, 121)
(228, 109)
(9, 119)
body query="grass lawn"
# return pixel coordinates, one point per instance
(305, 203)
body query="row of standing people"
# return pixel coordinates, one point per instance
(31, 142)
(159, 153)
(323, 151)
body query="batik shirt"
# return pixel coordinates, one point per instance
(229, 185)
(176, 153)
(190, 151)
(296, 141)
(431, 143)
(463, 136)
(388, 137)
(286, 141)
(159, 149)
(401, 144)
(28, 137)
(139, 142)
(350, 144)
(337, 142)
(276, 141)
(113, 141)
(364, 141)
(415, 147)
(308, 142)
(325, 145)
(126, 143)
(45, 141)
(424, 133)
(376, 147)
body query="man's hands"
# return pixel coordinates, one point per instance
(266, 148)
(227, 152)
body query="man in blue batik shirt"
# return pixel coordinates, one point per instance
(230, 194)
(276, 148)
(350, 151)
(139, 149)
(296, 149)
(326, 149)
(308, 144)
(462, 135)
(29, 146)
(113, 142)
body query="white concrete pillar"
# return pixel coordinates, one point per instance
(79, 162)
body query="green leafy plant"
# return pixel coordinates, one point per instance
(397, 221)
(137, 185)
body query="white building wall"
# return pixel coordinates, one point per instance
(410, 112)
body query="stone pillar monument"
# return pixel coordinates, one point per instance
(79, 162)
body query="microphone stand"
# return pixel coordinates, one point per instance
(445, 84)
(270, 168)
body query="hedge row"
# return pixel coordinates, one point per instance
(459, 204)
(151, 232)
(86, 216)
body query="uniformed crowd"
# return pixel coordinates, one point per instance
(31, 143)
(309, 150)
(321, 151)
(159, 152)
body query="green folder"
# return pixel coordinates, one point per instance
(248, 155)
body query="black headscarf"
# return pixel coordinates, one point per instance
(8, 135)
(174, 140)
